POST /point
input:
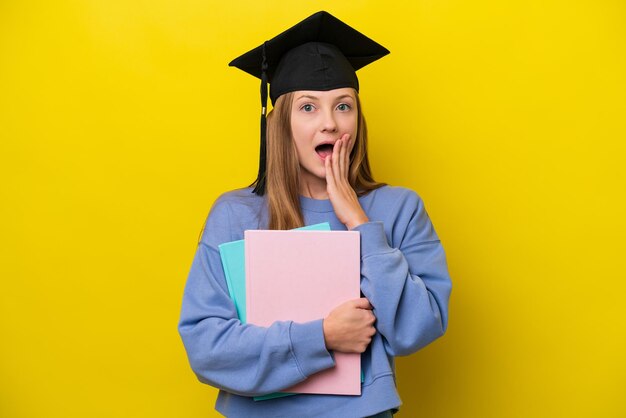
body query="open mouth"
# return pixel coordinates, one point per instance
(324, 150)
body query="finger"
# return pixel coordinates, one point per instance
(330, 179)
(335, 160)
(346, 139)
(342, 159)
(348, 144)
(363, 303)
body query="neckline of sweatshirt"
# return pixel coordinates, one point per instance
(316, 205)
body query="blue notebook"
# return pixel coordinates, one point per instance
(234, 264)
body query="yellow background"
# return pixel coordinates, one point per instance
(120, 123)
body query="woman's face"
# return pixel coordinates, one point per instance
(318, 120)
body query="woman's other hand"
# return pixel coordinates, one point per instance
(342, 196)
(349, 328)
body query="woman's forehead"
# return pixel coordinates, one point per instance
(345, 92)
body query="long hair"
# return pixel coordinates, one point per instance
(283, 167)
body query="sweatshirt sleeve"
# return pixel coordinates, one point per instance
(240, 358)
(409, 286)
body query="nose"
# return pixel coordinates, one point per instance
(328, 122)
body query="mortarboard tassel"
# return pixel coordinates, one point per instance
(260, 181)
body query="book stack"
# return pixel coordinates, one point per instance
(299, 275)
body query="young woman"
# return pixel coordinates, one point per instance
(314, 168)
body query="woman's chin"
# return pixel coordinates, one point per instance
(317, 175)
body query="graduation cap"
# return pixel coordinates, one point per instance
(320, 53)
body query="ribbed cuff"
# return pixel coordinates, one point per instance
(309, 348)
(373, 238)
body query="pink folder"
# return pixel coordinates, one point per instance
(302, 276)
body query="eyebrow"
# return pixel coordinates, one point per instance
(306, 96)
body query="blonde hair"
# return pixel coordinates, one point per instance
(283, 168)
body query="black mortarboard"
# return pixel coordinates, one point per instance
(319, 53)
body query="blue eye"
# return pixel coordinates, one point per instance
(343, 107)
(307, 108)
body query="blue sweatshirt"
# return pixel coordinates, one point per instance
(403, 274)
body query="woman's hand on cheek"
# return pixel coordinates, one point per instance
(342, 196)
